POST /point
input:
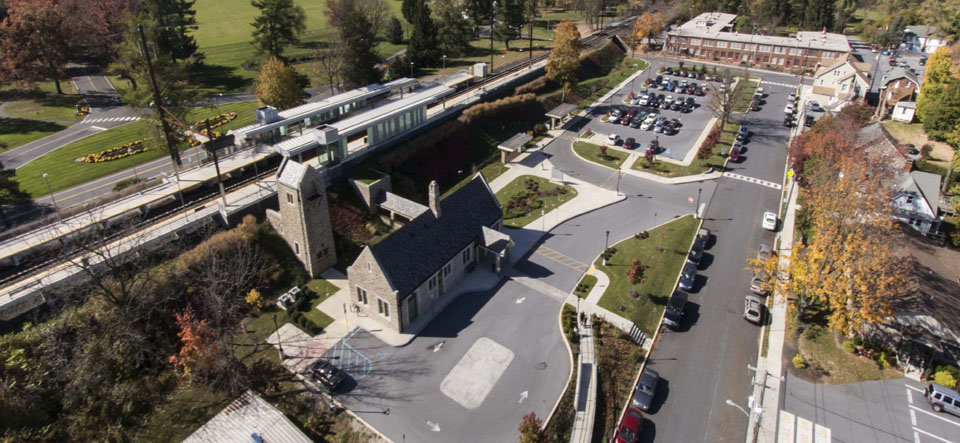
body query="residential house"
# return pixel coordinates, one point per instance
(402, 280)
(921, 38)
(710, 36)
(904, 111)
(843, 80)
(898, 85)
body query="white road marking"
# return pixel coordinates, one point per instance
(786, 85)
(916, 437)
(935, 415)
(98, 128)
(754, 180)
(822, 434)
(931, 435)
(915, 389)
(520, 300)
(477, 372)
(913, 417)
(787, 421)
(804, 430)
(523, 396)
(435, 427)
(910, 396)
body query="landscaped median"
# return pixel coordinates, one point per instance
(702, 163)
(601, 155)
(661, 254)
(743, 99)
(527, 196)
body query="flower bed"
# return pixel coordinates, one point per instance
(117, 152)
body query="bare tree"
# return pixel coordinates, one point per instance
(329, 64)
(723, 99)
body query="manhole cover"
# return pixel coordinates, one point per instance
(541, 366)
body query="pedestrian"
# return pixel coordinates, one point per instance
(583, 318)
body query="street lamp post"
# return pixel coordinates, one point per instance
(697, 209)
(444, 61)
(279, 344)
(52, 197)
(135, 175)
(633, 83)
(411, 70)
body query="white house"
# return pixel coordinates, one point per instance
(917, 201)
(843, 80)
(904, 111)
(922, 39)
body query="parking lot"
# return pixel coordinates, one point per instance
(674, 146)
(876, 411)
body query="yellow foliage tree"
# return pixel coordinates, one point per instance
(565, 59)
(278, 85)
(647, 25)
(936, 77)
(254, 299)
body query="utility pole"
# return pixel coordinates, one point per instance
(493, 12)
(216, 165)
(158, 106)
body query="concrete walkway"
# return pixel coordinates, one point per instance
(585, 402)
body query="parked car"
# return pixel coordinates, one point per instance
(789, 109)
(625, 120)
(630, 426)
(673, 312)
(764, 252)
(814, 106)
(753, 309)
(942, 398)
(696, 251)
(644, 100)
(691, 74)
(668, 71)
(677, 105)
(659, 79)
(809, 120)
(758, 283)
(647, 125)
(923, 61)
(646, 390)
(743, 133)
(754, 105)
(613, 139)
(327, 374)
(665, 104)
(760, 91)
(912, 152)
(704, 236)
(792, 97)
(663, 87)
(658, 127)
(769, 221)
(788, 120)
(635, 100)
(671, 86)
(734, 154)
(644, 91)
(629, 143)
(688, 276)
(635, 123)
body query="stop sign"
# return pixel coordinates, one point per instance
(690, 199)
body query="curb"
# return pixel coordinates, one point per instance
(569, 376)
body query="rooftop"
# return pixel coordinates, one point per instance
(413, 253)
(898, 73)
(516, 142)
(711, 25)
(562, 110)
(710, 22)
(246, 417)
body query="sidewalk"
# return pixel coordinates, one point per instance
(769, 368)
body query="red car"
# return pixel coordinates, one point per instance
(630, 426)
(734, 154)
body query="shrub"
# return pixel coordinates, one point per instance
(122, 184)
(636, 272)
(952, 370)
(799, 362)
(637, 355)
(534, 86)
(539, 129)
(886, 359)
(813, 332)
(944, 378)
(849, 346)
(603, 151)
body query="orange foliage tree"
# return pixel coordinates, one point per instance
(198, 348)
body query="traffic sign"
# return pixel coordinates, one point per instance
(690, 199)
(790, 173)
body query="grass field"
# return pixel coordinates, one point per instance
(15, 132)
(675, 238)
(549, 202)
(591, 152)
(742, 101)
(697, 166)
(30, 107)
(914, 134)
(64, 172)
(585, 286)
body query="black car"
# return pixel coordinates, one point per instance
(327, 374)
(788, 121)
(659, 79)
(676, 105)
(687, 276)
(696, 252)
(668, 71)
(673, 312)
(629, 143)
(809, 121)
(646, 389)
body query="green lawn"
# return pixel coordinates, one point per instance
(604, 84)
(717, 160)
(742, 101)
(521, 185)
(15, 132)
(586, 284)
(64, 172)
(591, 152)
(662, 270)
(54, 108)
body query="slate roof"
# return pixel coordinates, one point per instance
(416, 251)
(516, 142)
(291, 173)
(898, 73)
(407, 208)
(929, 186)
(246, 416)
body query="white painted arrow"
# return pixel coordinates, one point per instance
(433, 426)
(523, 396)
(438, 346)
(520, 300)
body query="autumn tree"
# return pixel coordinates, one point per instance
(95, 25)
(279, 24)
(934, 81)
(530, 430)
(944, 14)
(647, 25)
(33, 43)
(723, 99)
(359, 42)
(453, 30)
(635, 273)
(198, 347)
(564, 60)
(278, 85)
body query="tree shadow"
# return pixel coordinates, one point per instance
(24, 126)
(219, 77)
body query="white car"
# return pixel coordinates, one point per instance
(612, 138)
(647, 124)
(645, 100)
(788, 109)
(792, 97)
(759, 91)
(769, 221)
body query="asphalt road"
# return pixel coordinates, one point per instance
(400, 392)
(876, 411)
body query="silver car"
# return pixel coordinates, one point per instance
(753, 309)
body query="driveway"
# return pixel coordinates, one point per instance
(483, 363)
(875, 411)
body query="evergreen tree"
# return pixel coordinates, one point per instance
(398, 68)
(935, 80)
(359, 40)
(394, 32)
(422, 47)
(409, 9)
(510, 20)
(479, 11)
(178, 18)
(10, 193)
(454, 31)
(818, 14)
(279, 24)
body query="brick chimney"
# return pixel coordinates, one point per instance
(433, 195)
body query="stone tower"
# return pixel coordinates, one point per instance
(303, 219)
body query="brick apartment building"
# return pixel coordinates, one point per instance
(710, 37)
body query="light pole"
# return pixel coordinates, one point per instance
(218, 98)
(732, 403)
(606, 243)
(52, 197)
(135, 175)
(633, 83)
(697, 209)
(411, 70)
(444, 61)
(279, 344)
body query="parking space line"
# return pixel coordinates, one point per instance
(935, 415)
(931, 435)
(913, 417)
(916, 437)
(915, 389)
(910, 396)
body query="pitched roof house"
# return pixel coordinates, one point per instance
(843, 80)
(898, 85)
(397, 280)
(922, 38)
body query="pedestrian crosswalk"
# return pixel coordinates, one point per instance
(110, 119)
(800, 430)
(753, 180)
(785, 85)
